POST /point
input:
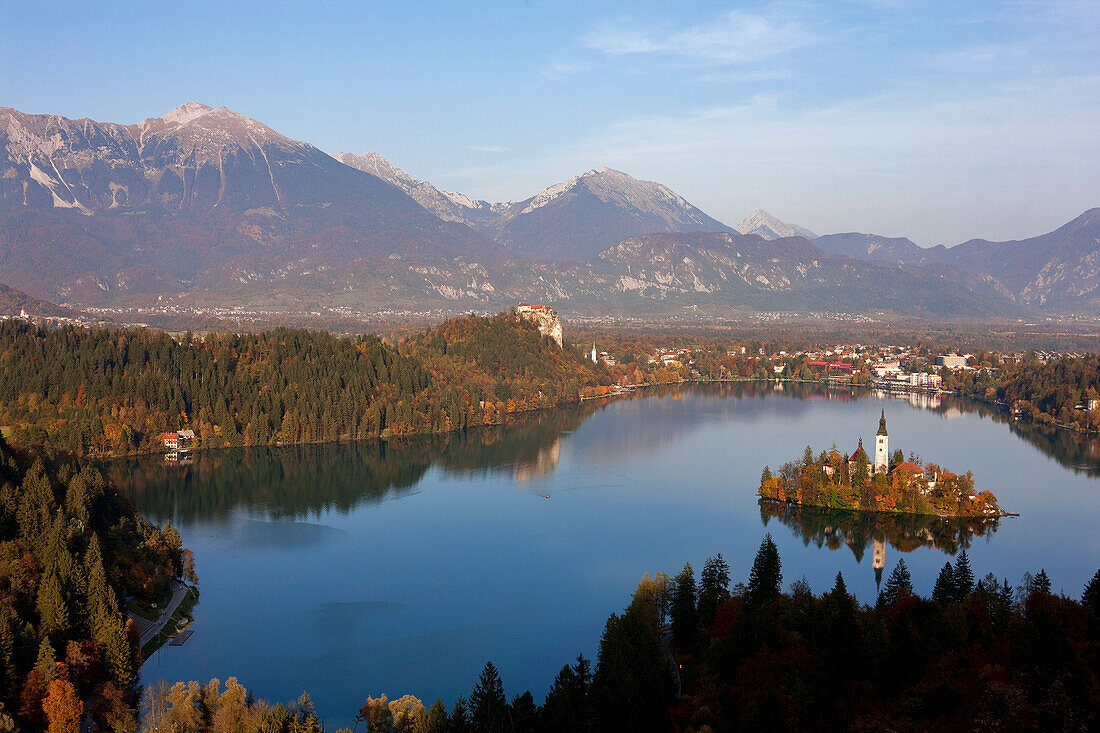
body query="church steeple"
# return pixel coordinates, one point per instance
(882, 447)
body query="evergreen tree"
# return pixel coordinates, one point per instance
(1042, 582)
(765, 476)
(964, 577)
(944, 590)
(488, 706)
(52, 612)
(460, 717)
(1091, 596)
(523, 714)
(766, 576)
(713, 588)
(899, 585)
(683, 611)
(435, 720)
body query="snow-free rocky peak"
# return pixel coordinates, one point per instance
(448, 206)
(186, 112)
(766, 226)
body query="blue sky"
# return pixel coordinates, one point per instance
(938, 121)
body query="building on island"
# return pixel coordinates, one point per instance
(882, 450)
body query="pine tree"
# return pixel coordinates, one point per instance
(964, 577)
(488, 706)
(460, 717)
(435, 720)
(944, 590)
(1042, 582)
(713, 587)
(684, 612)
(766, 576)
(52, 612)
(899, 585)
(1091, 596)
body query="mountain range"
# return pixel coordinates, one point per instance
(204, 205)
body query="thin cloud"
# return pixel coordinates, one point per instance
(562, 69)
(487, 148)
(735, 38)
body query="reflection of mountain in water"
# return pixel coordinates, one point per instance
(297, 481)
(857, 530)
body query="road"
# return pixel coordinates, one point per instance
(666, 639)
(179, 590)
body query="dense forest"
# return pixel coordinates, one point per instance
(693, 654)
(99, 392)
(72, 549)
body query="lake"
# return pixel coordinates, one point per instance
(400, 567)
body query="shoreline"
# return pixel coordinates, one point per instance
(998, 515)
(621, 391)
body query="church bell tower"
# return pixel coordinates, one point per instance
(882, 449)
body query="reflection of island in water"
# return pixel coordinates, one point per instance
(296, 481)
(858, 530)
(302, 480)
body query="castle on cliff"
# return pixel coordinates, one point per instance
(544, 317)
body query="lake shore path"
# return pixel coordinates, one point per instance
(149, 630)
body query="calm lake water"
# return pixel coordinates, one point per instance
(401, 567)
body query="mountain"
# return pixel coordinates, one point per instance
(1059, 270)
(579, 218)
(200, 197)
(873, 248)
(788, 273)
(766, 226)
(448, 206)
(13, 301)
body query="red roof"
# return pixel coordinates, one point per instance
(907, 467)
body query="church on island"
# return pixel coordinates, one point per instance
(889, 483)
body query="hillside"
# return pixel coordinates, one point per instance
(197, 198)
(95, 392)
(72, 548)
(13, 301)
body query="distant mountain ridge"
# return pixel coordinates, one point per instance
(204, 204)
(766, 226)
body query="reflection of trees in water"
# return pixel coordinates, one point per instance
(307, 479)
(858, 530)
(1069, 448)
(300, 480)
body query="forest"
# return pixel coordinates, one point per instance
(691, 653)
(72, 550)
(94, 392)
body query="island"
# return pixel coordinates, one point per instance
(889, 483)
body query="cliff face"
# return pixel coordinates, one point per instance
(542, 316)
